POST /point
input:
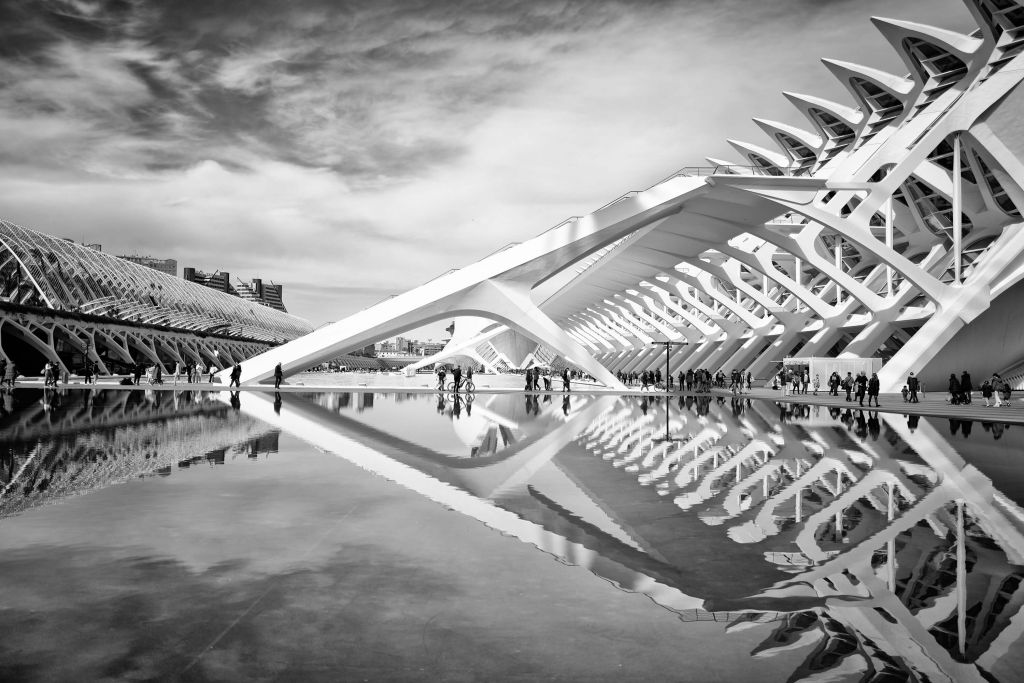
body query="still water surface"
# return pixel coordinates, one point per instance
(352, 536)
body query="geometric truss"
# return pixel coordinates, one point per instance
(888, 231)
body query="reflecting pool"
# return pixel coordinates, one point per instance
(384, 536)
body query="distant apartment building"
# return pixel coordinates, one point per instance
(256, 290)
(169, 266)
(215, 280)
(260, 292)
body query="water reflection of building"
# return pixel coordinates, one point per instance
(878, 548)
(55, 444)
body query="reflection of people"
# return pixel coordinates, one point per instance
(565, 406)
(457, 409)
(912, 422)
(277, 402)
(236, 402)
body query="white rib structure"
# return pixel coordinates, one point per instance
(891, 229)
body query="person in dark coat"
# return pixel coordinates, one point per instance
(441, 374)
(966, 387)
(565, 380)
(954, 389)
(236, 376)
(278, 376)
(873, 386)
(913, 384)
(862, 386)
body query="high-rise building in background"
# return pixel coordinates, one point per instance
(256, 290)
(169, 266)
(215, 280)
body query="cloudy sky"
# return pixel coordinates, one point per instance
(353, 149)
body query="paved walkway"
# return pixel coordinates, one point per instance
(931, 405)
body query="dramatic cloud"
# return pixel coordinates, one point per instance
(349, 150)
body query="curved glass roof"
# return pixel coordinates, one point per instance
(37, 269)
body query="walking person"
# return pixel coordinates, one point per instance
(966, 387)
(817, 383)
(848, 383)
(913, 384)
(954, 390)
(441, 374)
(873, 387)
(213, 371)
(177, 372)
(278, 376)
(565, 380)
(457, 377)
(862, 386)
(986, 392)
(236, 376)
(87, 371)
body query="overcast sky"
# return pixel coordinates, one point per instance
(352, 150)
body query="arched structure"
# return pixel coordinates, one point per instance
(888, 232)
(61, 300)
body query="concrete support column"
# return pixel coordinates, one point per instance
(958, 228)
(839, 267)
(888, 209)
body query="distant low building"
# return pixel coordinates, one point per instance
(169, 266)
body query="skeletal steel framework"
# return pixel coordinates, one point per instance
(891, 228)
(67, 293)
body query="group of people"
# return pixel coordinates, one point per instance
(194, 372)
(457, 378)
(856, 387)
(995, 391)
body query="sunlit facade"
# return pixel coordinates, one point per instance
(889, 229)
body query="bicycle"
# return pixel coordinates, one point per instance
(466, 385)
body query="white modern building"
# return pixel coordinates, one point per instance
(889, 227)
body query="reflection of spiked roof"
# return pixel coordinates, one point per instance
(42, 270)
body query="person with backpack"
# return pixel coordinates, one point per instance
(848, 383)
(278, 376)
(913, 384)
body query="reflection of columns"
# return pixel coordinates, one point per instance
(890, 546)
(958, 227)
(799, 501)
(961, 579)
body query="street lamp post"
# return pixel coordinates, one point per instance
(668, 346)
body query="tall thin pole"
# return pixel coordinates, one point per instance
(958, 228)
